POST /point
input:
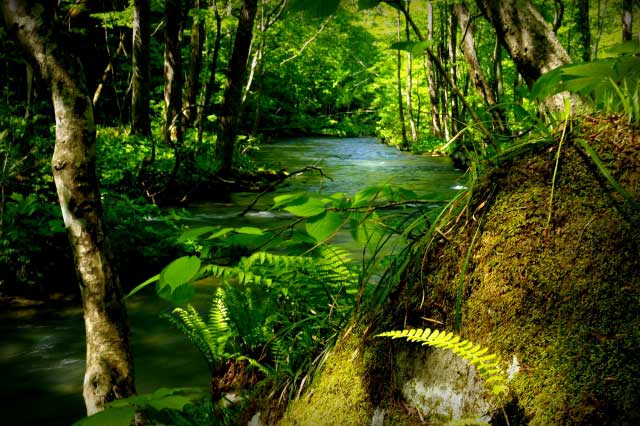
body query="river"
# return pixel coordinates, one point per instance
(42, 349)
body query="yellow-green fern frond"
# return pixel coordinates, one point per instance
(487, 364)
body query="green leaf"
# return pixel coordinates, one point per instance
(282, 200)
(220, 233)
(307, 207)
(250, 230)
(195, 233)
(180, 271)
(173, 402)
(176, 295)
(143, 285)
(366, 196)
(116, 416)
(413, 47)
(324, 225)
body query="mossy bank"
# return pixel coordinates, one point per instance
(555, 284)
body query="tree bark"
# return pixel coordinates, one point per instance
(584, 29)
(433, 91)
(109, 367)
(192, 86)
(602, 8)
(172, 124)
(140, 122)
(627, 20)
(231, 107)
(533, 46)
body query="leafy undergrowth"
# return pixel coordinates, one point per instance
(561, 291)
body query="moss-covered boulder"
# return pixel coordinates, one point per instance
(553, 281)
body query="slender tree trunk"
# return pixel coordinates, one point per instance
(172, 124)
(582, 21)
(108, 69)
(558, 14)
(602, 8)
(192, 85)
(433, 91)
(498, 75)
(412, 122)
(204, 109)
(453, 28)
(403, 127)
(627, 20)
(533, 46)
(140, 123)
(476, 73)
(109, 367)
(231, 107)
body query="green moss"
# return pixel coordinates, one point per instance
(564, 297)
(340, 394)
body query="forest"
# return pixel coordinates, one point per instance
(320, 212)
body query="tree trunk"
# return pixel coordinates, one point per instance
(109, 368)
(192, 86)
(602, 8)
(498, 75)
(204, 109)
(172, 124)
(627, 20)
(584, 30)
(471, 56)
(453, 105)
(433, 91)
(533, 46)
(412, 122)
(403, 126)
(140, 123)
(231, 107)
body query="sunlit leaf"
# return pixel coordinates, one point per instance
(250, 230)
(180, 271)
(307, 207)
(116, 416)
(413, 47)
(195, 233)
(324, 225)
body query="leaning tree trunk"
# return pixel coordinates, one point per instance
(451, 46)
(403, 127)
(530, 41)
(433, 90)
(109, 367)
(476, 73)
(229, 115)
(203, 109)
(140, 123)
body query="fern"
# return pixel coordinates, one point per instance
(487, 364)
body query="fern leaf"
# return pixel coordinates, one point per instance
(487, 364)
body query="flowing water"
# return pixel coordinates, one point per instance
(42, 348)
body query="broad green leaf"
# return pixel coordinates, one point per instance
(366, 196)
(413, 47)
(625, 48)
(195, 233)
(180, 271)
(285, 199)
(249, 230)
(324, 225)
(173, 402)
(307, 208)
(143, 285)
(116, 416)
(220, 233)
(177, 295)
